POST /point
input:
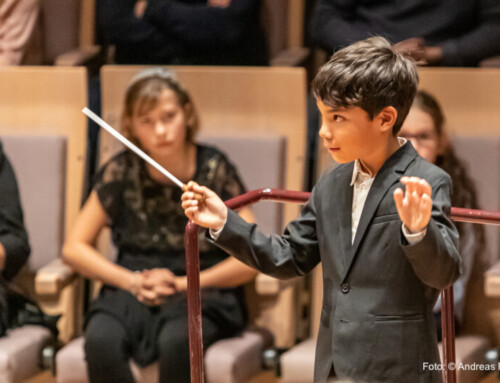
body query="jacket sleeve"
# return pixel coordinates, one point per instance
(203, 26)
(120, 26)
(480, 43)
(435, 259)
(293, 254)
(13, 235)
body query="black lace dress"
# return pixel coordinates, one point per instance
(148, 224)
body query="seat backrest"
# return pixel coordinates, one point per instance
(60, 25)
(48, 101)
(261, 163)
(469, 97)
(42, 186)
(274, 17)
(231, 101)
(43, 101)
(481, 156)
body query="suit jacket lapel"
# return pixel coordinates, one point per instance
(388, 175)
(344, 206)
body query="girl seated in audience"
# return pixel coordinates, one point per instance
(424, 127)
(141, 311)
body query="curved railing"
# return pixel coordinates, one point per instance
(249, 198)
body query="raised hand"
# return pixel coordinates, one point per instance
(422, 53)
(413, 47)
(415, 204)
(140, 8)
(210, 212)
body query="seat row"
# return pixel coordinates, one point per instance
(258, 116)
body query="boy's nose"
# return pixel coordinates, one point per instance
(324, 132)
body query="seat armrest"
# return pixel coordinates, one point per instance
(492, 281)
(266, 285)
(78, 57)
(296, 56)
(53, 277)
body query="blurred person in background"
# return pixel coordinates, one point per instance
(424, 127)
(14, 246)
(447, 32)
(184, 32)
(19, 42)
(141, 311)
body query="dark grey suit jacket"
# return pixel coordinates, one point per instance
(376, 320)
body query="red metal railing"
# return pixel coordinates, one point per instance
(193, 276)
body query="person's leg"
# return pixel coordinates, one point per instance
(174, 348)
(107, 351)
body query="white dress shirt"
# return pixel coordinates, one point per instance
(362, 182)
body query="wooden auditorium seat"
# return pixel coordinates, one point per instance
(256, 115)
(239, 101)
(260, 161)
(44, 136)
(42, 189)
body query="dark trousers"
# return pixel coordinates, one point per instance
(108, 350)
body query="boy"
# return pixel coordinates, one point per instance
(385, 252)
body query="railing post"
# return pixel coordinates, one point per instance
(448, 335)
(194, 303)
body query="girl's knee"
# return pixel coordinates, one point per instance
(104, 338)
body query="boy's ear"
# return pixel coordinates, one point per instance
(387, 118)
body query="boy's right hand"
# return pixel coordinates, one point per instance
(210, 212)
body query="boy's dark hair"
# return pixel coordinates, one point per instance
(371, 75)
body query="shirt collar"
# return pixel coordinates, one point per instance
(358, 168)
(359, 172)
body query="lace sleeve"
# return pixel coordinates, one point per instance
(109, 184)
(229, 181)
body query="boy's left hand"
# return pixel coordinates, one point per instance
(415, 204)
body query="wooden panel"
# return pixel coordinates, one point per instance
(296, 23)
(48, 100)
(233, 101)
(470, 98)
(87, 22)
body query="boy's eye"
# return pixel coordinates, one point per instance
(145, 121)
(337, 118)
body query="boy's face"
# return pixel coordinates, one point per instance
(348, 133)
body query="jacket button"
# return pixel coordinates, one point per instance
(344, 287)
